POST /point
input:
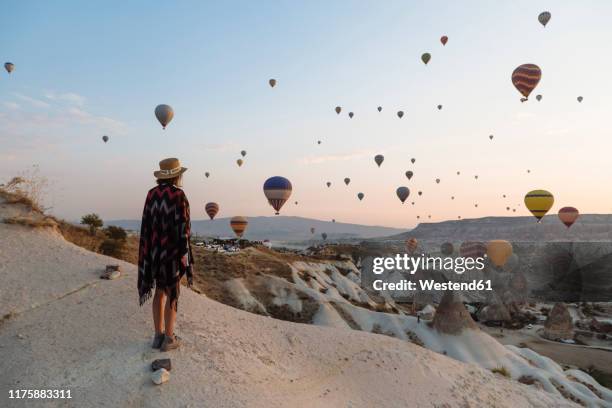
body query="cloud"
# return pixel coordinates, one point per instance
(338, 157)
(69, 97)
(32, 101)
(83, 117)
(11, 105)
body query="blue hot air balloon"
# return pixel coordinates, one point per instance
(277, 190)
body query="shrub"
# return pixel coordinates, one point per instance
(501, 370)
(116, 233)
(94, 221)
(112, 247)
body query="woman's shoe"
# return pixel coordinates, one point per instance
(158, 340)
(170, 343)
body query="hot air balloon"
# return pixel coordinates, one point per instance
(351, 115)
(328, 184)
(458, 173)
(333, 220)
(452, 197)
(272, 82)
(473, 249)
(544, 18)
(498, 251)
(429, 216)
(9, 66)
(207, 174)
(425, 58)
(447, 248)
(507, 208)
(324, 235)
(360, 196)
(579, 98)
(437, 181)
(105, 138)
(409, 174)
(239, 162)
(400, 114)
(402, 193)
(312, 230)
(476, 205)
(318, 142)
(277, 190)
(379, 158)
(420, 193)
(539, 202)
(490, 137)
(296, 203)
(412, 160)
(347, 181)
(528, 171)
(411, 245)
(568, 215)
(211, 209)
(476, 177)
(379, 108)
(539, 97)
(239, 225)
(443, 39)
(243, 153)
(439, 107)
(525, 78)
(503, 195)
(164, 114)
(412, 203)
(338, 109)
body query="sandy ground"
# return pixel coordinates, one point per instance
(64, 328)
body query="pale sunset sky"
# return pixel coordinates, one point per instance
(88, 69)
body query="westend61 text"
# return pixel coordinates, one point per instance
(404, 284)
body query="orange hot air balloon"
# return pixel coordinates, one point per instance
(525, 78)
(498, 251)
(444, 40)
(239, 225)
(211, 209)
(411, 245)
(568, 215)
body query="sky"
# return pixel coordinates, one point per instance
(88, 69)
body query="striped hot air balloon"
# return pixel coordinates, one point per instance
(473, 249)
(211, 209)
(411, 245)
(525, 78)
(277, 190)
(239, 225)
(538, 202)
(568, 215)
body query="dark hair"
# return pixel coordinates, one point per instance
(172, 180)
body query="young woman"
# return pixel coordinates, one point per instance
(165, 250)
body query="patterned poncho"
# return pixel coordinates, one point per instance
(165, 248)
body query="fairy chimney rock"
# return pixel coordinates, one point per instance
(451, 316)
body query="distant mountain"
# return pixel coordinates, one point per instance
(589, 227)
(279, 228)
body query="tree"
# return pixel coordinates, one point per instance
(116, 233)
(94, 221)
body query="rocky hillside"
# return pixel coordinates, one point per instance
(62, 327)
(589, 227)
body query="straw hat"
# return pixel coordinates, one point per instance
(169, 168)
